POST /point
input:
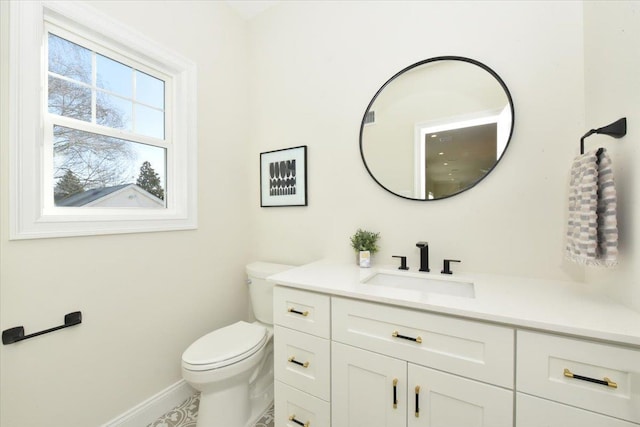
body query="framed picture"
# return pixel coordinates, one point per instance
(283, 177)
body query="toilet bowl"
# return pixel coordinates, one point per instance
(232, 367)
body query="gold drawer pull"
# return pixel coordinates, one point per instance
(292, 359)
(300, 423)
(418, 339)
(606, 381)
(301, 313)
(395, 393)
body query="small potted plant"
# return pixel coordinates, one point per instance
(365, 244)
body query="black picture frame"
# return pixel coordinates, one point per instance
(283, 177)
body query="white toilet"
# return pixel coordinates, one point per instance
(232, 367)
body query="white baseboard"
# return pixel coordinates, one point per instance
(154, 407)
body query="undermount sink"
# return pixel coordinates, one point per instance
(422, 283)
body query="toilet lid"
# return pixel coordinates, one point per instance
(225, 346)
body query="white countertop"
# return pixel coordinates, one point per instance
(554, 306)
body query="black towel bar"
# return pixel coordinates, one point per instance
(617, 129)
(9, 336)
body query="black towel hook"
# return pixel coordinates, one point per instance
(617, 129)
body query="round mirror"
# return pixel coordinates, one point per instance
(436, 128)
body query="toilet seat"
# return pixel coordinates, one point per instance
(224, 346)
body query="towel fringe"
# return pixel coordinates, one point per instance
(591, 262)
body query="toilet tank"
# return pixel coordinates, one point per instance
(261, 291)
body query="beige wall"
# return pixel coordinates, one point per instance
(319, 63)
(612, 87)
(144, 297)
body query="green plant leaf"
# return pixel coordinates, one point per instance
(364, 240)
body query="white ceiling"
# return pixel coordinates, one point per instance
(250, 8)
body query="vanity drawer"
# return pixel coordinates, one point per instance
(535, 412)
(302, 310)
(471, 349)
(295, 408)
(302, 361)
(573, 371)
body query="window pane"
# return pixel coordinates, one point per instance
(69, 59)
(114, 76)
(149, 90)
(109, 98)
(149, 122)
(92, 170)
(113, 111)
(69, 99)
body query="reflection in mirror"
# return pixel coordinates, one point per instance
(436, 128)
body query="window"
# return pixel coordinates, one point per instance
(115, 150)
(124, 109)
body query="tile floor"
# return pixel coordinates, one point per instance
(186, 415)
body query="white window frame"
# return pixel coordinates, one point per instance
(31, 212)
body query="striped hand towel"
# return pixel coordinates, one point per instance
(592, 232)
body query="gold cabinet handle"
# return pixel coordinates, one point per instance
(605, 381)
(395, 393)
(300, 423)
(301, 313)
(417, 401)
(292, 359)
(417, 339)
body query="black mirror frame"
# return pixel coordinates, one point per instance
(417, 64)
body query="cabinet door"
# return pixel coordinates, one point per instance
(302, 311)
(467, 348)
(367, 389)
(534, 412)
(295, 408)
(302, 361)
(594, 376)
(445, 400)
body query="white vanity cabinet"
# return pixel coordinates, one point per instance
(301, 358)
(383, 361)
(349, 359)
(373, 390)
(467, 348)
(590, 383)
(535, 412)
(444, 400)
(368, 389)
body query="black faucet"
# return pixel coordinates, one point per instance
(446, 266)
(424, 256)
(403, 262)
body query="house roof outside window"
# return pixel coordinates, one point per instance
(122, 196)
